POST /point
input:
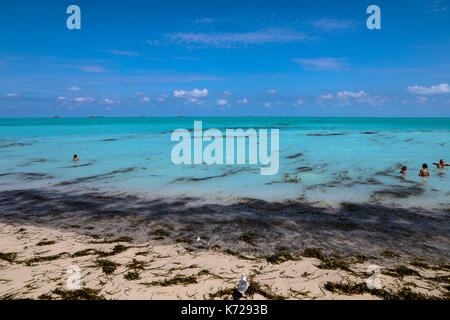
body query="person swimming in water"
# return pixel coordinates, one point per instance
(404, 168)
(75, 157)
(424, 172)
(441, 164)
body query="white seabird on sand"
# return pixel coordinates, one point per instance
(203, 242)
(243, 284)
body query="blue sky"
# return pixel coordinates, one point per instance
(225, 58)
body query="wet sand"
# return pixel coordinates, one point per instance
(129, 247)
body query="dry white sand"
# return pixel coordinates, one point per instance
(174, 272)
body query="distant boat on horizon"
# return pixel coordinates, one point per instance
(55, 117)
(95, 116)
(179, 116)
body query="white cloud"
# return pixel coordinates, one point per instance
(234, 39)
(272, 91)
(299, 102)
(106, 101)
(422, 99)
(196, 93)
(330, 24)
(227, 93)
(345, 94)
(145, 99)
(82, 99)
(322, 63)
(123, 53)
(437, 6)
(162, 98)
(440, 88)
(74, 88)
(94, 69)
(267, 104)
(204, 20)
(222, 102)
(327, 96)
(61, 98)
(12, 95)
(194, 100)
(243, 101)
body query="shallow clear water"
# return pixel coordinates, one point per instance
(343, 159)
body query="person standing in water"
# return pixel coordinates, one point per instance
(424, 172)
(441, 164)
(75, 157)
(404, 168)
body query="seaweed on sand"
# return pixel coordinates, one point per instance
(282, 255)
(400, 272)
(314, 253)
(108, 267)
(256, 288)
(45, 243)
(221, 293)
(177, 280)
(331, 262)
(79, 294)
(30, 262)
(236, 254)
(132, 275)
(419, 264)
(136, 265)
(84, 252)
(120, 239)
(117, 249)
(10, 257)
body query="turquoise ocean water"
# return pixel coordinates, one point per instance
(321, 159)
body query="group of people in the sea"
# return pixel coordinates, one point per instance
(424, 172)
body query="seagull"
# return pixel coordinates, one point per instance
(203, 242)
(243, 284)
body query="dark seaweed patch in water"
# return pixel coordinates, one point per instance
(289, 178)
(196, 179)
(390, 171)
(109, 140)
(368, 181)
(399, 192)
(96, 177)
(369, 132)
(293, 156)
(35, 176)
(29, 176)
(304, 169)
(80, 165)
(327, 134)
(16, 144)
(441, 174)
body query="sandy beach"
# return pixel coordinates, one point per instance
(37, 249)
